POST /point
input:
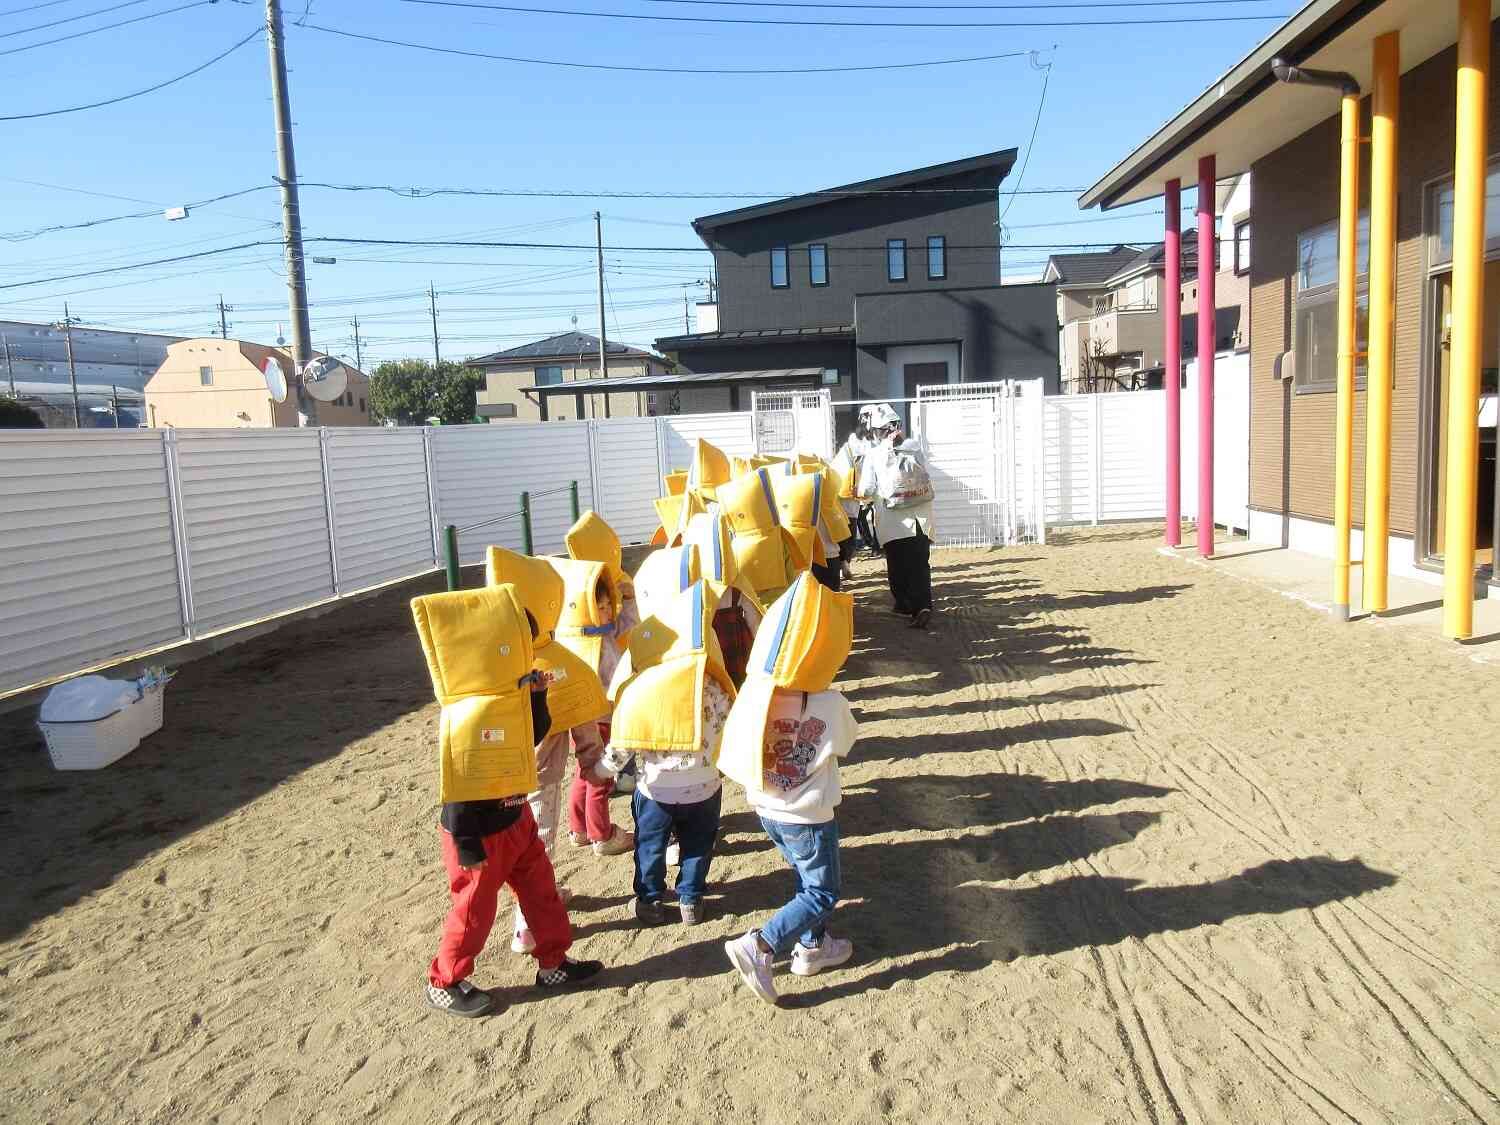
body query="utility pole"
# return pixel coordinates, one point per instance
(67, 327)
(603, 356)
(359, 358)
(223, 323)
(10, 372)
(687, 324)
(114, 403)
(437, 359)
(291, 213)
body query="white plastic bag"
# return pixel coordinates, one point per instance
(87, 698)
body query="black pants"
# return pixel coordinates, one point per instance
(828, 574)
(908, 569)
(866, 525)
(848, 548)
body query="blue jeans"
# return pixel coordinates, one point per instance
(697, 828)
(813, 852)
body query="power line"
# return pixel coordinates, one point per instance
(71, 19)
(968, 26)
(34, 7)
(138, 93)
(957, 7)
(155, 212)
(566, 193)
(1030, 144)
(658, 69)
(103, 27)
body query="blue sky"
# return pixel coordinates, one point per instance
(368, 113)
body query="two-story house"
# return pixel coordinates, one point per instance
(874, 287)
(513, 378)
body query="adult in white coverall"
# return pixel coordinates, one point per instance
(859, 443)
(905, 532)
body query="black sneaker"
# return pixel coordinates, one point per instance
(461, 999)
(921, 618)
(647, 913)
(569, 974)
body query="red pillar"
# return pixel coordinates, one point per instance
(1171, 359)
(1207, 267)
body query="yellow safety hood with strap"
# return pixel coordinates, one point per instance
(574, 693)
(740, 466)
(581, 630)
(658, 690)
(765, 556)
(676, 482)
(663, 574)
(478, 649)
(708, 470)
(845, 468)
(804, 501)
(591, 539)
(801, 646)
(715, 563)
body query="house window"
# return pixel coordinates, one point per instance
(895, 259)
(830, 377)
(651, 403)
(1440, 247)
(779, 276)
(937, 258)
(362, 406)
(1315, 336)
(205, 376)
(548, 376)
(1242, 248)
(817, 264)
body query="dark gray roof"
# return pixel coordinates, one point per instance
(997, 162)
(700, 339)
(1156, 254)
(688, 379)
(564, 344)
(1093, 268)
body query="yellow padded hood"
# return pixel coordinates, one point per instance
(581, 630)
(806, 500)
(740, 466)
(591, 539)
(674, 513)
(709, 469)
(766, 556)
(845, 469)
(663, 574)
(715, 562)
(801, 646)
(478, 645)
(574, 694)
(658, 690)
(676, 482)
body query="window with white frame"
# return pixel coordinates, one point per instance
(1315, 336)
(780, 278)
(1242, 248)
(548, 376)
(205, 376)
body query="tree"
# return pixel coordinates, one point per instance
(15, 415)
(409, 393)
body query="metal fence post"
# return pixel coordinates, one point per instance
(1097, 457)
(577, 511)
(179, 532)
(331, 517)
(433, 516)
(450, 557)
(526, 521)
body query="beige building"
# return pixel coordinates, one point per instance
(568, 358)
(214, 383)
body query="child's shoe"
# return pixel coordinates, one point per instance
(674, 854)
(692, 912)
(461, 999)
(619, 842)
(579, 839)
(569, 974)
(827, 954)
(647, 913)
(754, 965)
(523, 941)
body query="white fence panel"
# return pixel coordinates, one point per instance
(90, 569)
(1027, 484)
(255, 520)
(1068, 454)
(733, 433)
(381, 516)
(1231, 441)
(962, 439)
(626, 463)
(1131, 445)
(481, 472)
(788, 422)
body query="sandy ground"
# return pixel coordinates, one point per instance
(1124, 841)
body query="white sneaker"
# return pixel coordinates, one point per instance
(753, 964)
(827, 954)
(620, 841)
(674, 854)
(522, 941)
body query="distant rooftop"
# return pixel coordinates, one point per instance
(565, 344)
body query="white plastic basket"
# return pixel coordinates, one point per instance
(94, 744)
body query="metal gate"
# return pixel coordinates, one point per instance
(983, 445)
(788, 422)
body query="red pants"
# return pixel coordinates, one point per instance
(515, 856)
(588, 807)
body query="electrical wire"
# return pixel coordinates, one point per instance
(751, 71)
(1030, 144)
(106, 27)
(957, 7)
(138, 93)
(71, 19)
(970, 26)
(556, 193)
(27, 235)
(33, 7)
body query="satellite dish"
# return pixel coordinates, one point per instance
(325, 378)
(275, 378)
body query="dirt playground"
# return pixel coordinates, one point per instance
(1125, 840)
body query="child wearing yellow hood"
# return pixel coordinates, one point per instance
(785, 736)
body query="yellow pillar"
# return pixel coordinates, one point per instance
(1348, 343)
(1379, 370)
(1466, 341)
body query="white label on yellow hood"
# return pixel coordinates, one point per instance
(492, 734)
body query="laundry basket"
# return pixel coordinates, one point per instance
(95, 742)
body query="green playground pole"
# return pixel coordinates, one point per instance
(576, 510)
(450, 556)
(526, 521)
